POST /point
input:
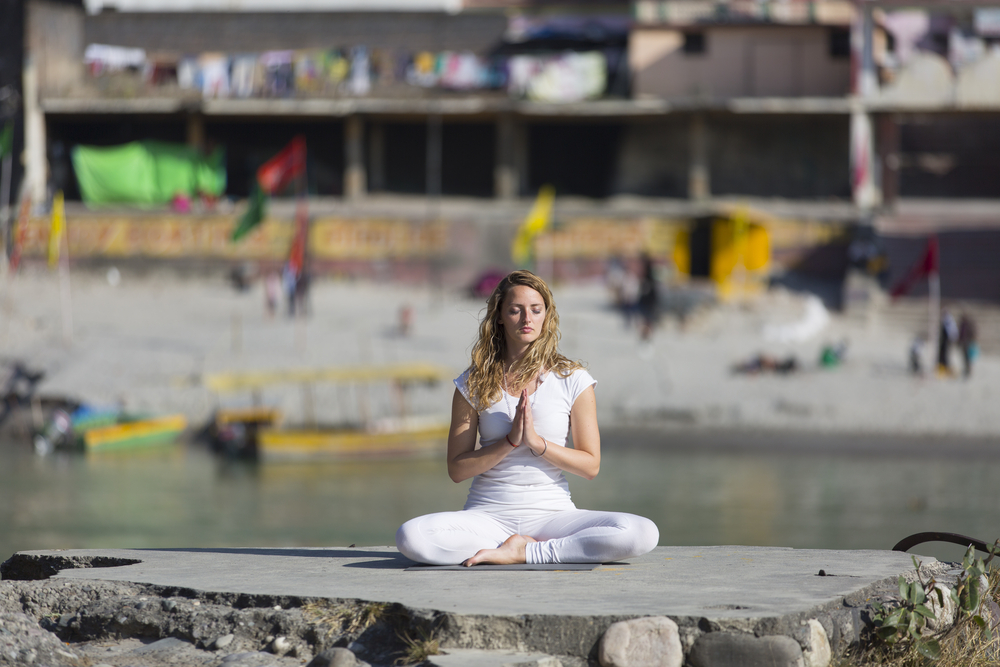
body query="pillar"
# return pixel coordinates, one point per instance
(196, 131)
(699, 183)
(355, 186)
(35, 163)
(376, 157)
(506, 174)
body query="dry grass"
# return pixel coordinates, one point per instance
(345, 620)
(419, 649)
(964, 645)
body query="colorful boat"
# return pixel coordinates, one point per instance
(401, 436)
(138, 434)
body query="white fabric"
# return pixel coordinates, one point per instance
(522, 480)
(527, 495)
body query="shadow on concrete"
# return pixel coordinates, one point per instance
(382, 559)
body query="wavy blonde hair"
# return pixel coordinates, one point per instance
(486, 373)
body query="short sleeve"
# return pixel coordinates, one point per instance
(579, 382)
(462, 384)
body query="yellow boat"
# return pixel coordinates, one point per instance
(399, 437)
(138, 434)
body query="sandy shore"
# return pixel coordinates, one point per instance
(149, 341)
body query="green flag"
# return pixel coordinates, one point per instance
(256, 209)
(6, 138)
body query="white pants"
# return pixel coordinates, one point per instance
(566, 536)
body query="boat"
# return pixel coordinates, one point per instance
(137, 434)
(107, 429)
(398, 436)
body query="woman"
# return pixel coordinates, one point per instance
(523, 399)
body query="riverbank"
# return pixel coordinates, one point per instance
(255, 607)
(149, 341)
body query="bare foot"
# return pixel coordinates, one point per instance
(511, 551)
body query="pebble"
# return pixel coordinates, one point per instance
(280, 645)
(337, 657)
(642, 642)
(223, 641)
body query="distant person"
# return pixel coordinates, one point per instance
(967, 343)
(649, 299)
(288, 280)
(946, 337)
(916, 354)
(272, 293)
(523, 399)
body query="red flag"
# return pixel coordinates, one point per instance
(927, 266)
(278, 172)
(297, 255)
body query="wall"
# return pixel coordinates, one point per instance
(739, 61)
(55, 43)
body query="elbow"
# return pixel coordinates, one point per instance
(455, 474)
(591, 473)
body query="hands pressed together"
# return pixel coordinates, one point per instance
(522, 430)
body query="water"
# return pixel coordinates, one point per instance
(803, 493)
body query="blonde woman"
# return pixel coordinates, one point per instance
(523, 399)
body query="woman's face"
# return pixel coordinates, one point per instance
(522, 316)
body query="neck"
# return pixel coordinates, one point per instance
(512, 356)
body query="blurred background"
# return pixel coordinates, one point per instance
(247, 243)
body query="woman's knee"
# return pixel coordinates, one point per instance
(647, 535)
(410, 542)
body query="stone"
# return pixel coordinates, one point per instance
(168, 644)
(223, 641)
(641, 642)
(336, 657)
(817, 652)
(727, 649)
(280, 645)
(944, 614)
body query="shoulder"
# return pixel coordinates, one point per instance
(575, 383)
(462, 384)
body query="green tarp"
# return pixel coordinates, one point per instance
(147, 173)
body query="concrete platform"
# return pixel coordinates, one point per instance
(750, 591)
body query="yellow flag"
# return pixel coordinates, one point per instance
(537, 221)
(58, 228)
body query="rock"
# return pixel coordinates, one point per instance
(944, 614)
(280, 645)
(168, 644)
(727, 649)
(641, 642)
(817, 652)
(337, 657)
(26, 643)
(223, 641)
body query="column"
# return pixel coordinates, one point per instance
(506, 175)
(354, 158)
(376, 157)
(195, 131)
(36, 166)
(699, 183)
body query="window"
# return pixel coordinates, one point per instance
(840, 43)
(694, 43)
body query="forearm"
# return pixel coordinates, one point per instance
(468, 464)
(576, 461)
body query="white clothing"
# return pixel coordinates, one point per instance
(522, 480)
(527, 495)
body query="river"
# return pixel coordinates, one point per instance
(701, 488)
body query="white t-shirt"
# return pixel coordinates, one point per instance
(521, 480)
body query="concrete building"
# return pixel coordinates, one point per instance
(663, 110)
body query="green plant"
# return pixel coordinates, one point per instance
(904, 624)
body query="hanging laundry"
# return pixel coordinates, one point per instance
(308, 71)
(424, 71)
(570, 77)
(462, 71)
(214, 74)
(278, 74)
(244, 81)
(101, 58)
(360, 82)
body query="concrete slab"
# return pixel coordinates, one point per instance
(706, 582)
